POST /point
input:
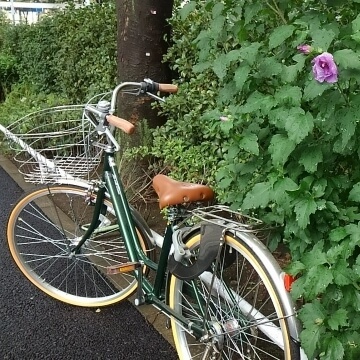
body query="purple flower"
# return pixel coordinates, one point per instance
(324, 68)
(305, 49)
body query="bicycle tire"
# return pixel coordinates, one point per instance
(43, 226)
(235, 329)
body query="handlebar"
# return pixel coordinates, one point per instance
(122, 124)
(146, 87)
(149, 86)
(103, 114)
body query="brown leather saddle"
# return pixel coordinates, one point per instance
(173, 192)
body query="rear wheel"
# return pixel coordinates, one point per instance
(43, 227)
(239, 309)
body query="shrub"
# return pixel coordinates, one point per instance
(70, 52)
(275, 141)
(7, 62)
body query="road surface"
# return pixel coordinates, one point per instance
(35, 326)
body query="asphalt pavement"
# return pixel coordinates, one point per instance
(34, 326)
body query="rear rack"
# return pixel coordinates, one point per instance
(230, 219)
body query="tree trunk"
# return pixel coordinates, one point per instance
(142, 27)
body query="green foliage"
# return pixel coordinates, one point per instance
(274, 141)
(8, 74)
(65, 58)
(71, 52)
(22, 100)
(7, 62)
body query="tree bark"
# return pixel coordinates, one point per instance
(142, 30)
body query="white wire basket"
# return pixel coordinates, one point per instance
(56, 143)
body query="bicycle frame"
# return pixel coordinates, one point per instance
(154, 294)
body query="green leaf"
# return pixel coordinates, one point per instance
(338, 234)
(319, 188)
(314, 258)
(314, 88)
(311, 311)
(332, 207)
(251, 10)
(355, 193)
(303, 209)
(227, 93)
(187, 9)
(217, 26)
(310, 339)
(241, 75)
(225, 183)
(280, 34)
(290, 95)
(259, 196)
(233, 151)
(267, 104)
(347, 59)
(280, 149)
(249, 53)
(254, 103)
(334, 350)
(226, 126)
(249, 143)
(317, 279)
(281, 187)
(217, 9)
(343, 274)
(297, 288)
(356, 24)
(322, 38)
(354, 232)
(295, 268)
(289, 73)
(202, 66)
(310, 158)
(334, 253)
(270, 67)
(232, 56)
(299, 127)
(220, 66)
(338, 318)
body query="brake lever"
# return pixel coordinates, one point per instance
(158, 98)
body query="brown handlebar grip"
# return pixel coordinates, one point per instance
(122, 124)
(168, 88)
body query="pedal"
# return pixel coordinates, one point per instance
(122, 268)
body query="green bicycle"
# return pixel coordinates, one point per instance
(81, 242)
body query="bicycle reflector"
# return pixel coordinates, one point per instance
(288, 281)
(122, 268)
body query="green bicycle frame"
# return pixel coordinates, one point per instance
(153, 293)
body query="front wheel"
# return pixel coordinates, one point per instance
(237, 306)
(46, 224)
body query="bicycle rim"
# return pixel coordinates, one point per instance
(42, 229)
(241, 315)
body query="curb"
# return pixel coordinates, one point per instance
(151, 314)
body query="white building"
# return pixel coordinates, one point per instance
(28, 12)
